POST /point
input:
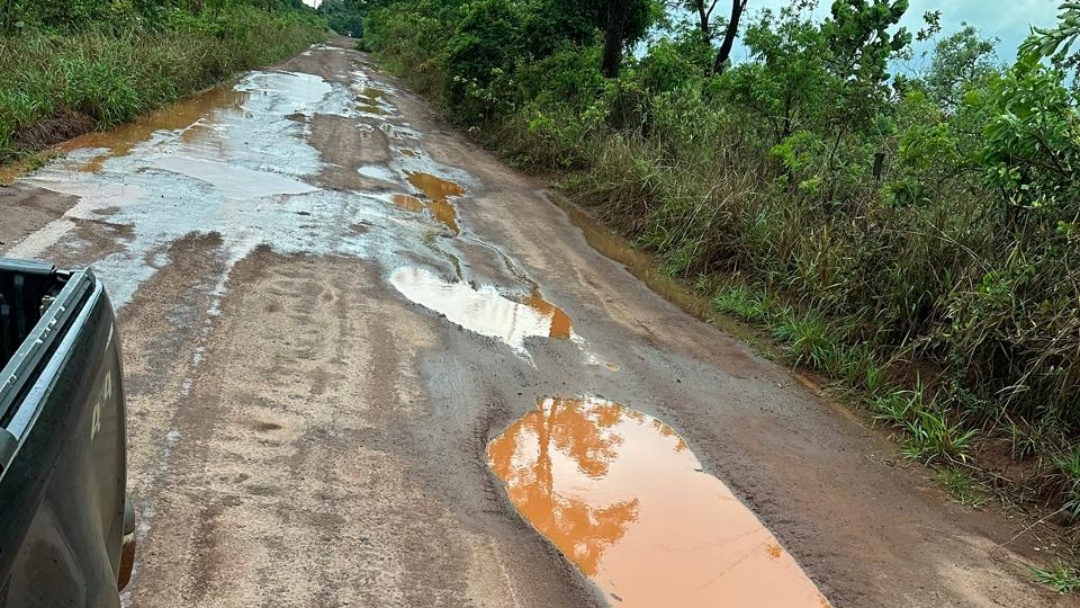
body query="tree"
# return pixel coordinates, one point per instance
(859, 38)
(737, 9)
(343, 16)
(621, 23)
(704, 10)
(1056, 42)
(960, 61)
(624, 22)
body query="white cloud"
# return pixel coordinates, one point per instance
(1009, 21)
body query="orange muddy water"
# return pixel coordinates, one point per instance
(623, 498)
(409, 203)
(439, 192)
(561, 327)
(200, 109)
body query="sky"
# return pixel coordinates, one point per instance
(1007, 20)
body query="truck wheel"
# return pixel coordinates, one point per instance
(127, 554)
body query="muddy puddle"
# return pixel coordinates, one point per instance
(484, 310)
(409, 203)
(623, 498)
(233, 161)
(238, 161)
(187, 116)
(439, 193)
(370, 100)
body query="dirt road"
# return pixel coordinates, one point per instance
(332, 304)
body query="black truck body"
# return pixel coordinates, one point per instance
(66, 531)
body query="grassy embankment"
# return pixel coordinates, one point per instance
(915, 241)
(58, 83)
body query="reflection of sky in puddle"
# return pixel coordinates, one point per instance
(240, 173)
(235, 161)
(233, 182)
(624, 499)
(483, 310)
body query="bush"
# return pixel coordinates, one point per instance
(928, 222)
(111, 74)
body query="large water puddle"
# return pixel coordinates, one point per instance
(237, 161)
(484, 311)
(623, 498)
(231, 160)
(187, 116)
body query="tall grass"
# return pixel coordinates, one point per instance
(104, 76)
(955, 312)
(983, 307)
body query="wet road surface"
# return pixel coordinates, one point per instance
(369, 365)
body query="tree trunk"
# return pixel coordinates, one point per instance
(705, 16)
(612, 57)
(7, 15)
(703, 19)
(613, 43)
(737, 8)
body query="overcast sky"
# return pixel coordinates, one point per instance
(1007, 20)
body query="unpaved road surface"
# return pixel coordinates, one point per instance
(331, 304)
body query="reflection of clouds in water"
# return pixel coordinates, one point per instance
(229, 161)
(483, 310)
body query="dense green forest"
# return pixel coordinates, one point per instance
(67, 66)
(912, 235)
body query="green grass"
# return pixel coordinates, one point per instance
(1068, 466)
(110, 76)
(745, 303)
(927, 433)
(931, 437)
(809, 341)
(961, 487)
(861, 279)
(1062, 578)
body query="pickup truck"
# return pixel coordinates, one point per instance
(66, 529)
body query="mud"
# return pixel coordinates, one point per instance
(305, 433)
(190, 114)
(52, 130)
(408, 203)
(26, 210)
(623, 497)
(340, 143)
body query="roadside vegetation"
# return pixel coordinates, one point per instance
(913, 234)
(69, 66)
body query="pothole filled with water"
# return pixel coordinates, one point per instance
(485, 311)
(623, 498)
(439, 193)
